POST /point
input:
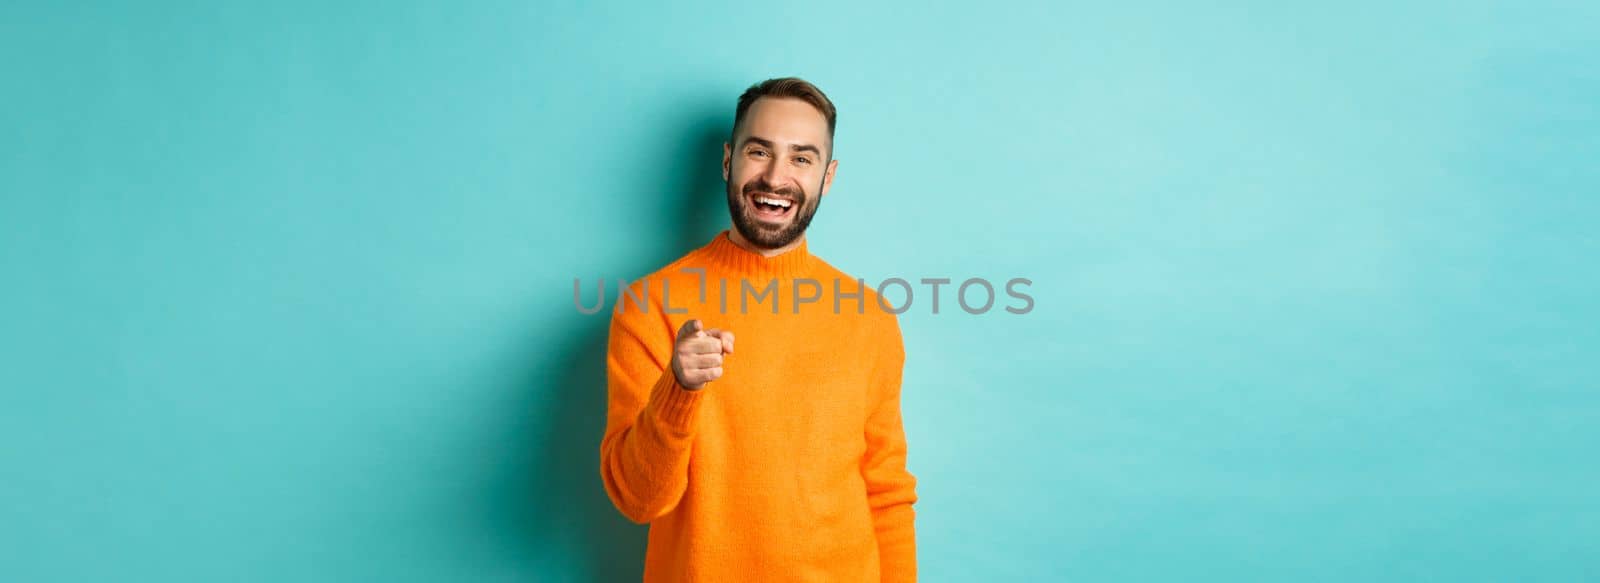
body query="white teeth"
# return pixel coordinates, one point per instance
(773, 201)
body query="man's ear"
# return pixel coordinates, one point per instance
(727, 157)
(827, 177)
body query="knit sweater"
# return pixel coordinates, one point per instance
(792, 465)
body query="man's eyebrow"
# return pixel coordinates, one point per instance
(796, 147)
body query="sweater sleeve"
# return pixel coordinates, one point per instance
(891, 489)
(650, 419)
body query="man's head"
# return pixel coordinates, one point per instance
(780, 153)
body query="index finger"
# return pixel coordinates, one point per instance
(689, 329)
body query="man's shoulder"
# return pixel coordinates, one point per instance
(835, 280)
(642, 301)
(687, 265)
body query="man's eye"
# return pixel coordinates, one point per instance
(757, 153)
(803, 160)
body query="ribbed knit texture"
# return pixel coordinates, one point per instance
(792, 466)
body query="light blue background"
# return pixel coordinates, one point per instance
(287, 288)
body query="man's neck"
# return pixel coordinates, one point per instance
(738, 239)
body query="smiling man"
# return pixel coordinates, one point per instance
(787, 460)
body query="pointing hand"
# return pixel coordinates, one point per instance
(697, 354)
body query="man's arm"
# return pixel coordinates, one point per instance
(650, 419)
(891, 489)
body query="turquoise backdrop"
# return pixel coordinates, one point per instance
(287, 287)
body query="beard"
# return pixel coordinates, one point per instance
(762, 234)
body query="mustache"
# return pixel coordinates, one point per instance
(762, 186)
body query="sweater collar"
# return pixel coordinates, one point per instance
(740, 261)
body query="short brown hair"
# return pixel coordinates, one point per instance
(793, 87)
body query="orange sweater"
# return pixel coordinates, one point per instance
(792, 465)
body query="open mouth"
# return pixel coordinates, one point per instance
(771, 208)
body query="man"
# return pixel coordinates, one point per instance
(785, 460)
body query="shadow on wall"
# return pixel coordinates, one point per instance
(557, 502)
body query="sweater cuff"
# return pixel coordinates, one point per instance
(673, 406)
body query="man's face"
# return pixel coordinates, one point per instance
(777, 170)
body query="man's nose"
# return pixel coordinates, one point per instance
(774, 175)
